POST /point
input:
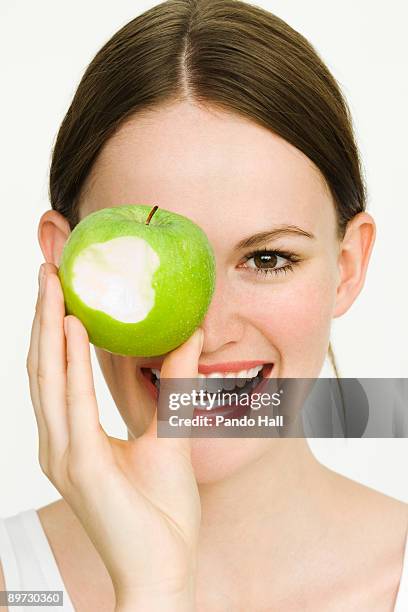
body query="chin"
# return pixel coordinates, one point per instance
(216, 459)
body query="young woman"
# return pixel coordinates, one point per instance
(221, 112)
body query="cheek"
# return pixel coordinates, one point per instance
(125, 384)
(295, 313)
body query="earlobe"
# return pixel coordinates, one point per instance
(53, 232)
(354, 256)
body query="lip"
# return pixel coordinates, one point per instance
(226, 366)
(153, 391)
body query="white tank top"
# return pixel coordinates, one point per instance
(29, 563)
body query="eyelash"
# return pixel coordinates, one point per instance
(292, 258)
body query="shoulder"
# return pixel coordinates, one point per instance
(368, 513)
(370, 503)
(79, 563)
(371, 536)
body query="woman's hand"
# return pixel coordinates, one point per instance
(138, 500)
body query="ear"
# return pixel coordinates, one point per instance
(354, 255)
(53, 232)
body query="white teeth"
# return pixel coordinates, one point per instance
(247, 379)
(228, 385)
(242, 374)
(241, 382)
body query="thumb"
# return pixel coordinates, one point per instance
(182, 362)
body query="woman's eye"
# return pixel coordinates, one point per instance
(270, 262)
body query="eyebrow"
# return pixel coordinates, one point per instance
(276, 232)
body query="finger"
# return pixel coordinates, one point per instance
(183, 361)
(32, 369)
(180, 363)
(83, 414)
(52, 362)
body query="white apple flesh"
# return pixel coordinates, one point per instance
(116, 277)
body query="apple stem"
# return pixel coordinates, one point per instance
(151, 213)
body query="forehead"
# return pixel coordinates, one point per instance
(205, 161)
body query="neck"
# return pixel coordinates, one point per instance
(284, 486)
(285, 474)
(261, 520)
(268, 512)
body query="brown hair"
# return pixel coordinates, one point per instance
(226, 53)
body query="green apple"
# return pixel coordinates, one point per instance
(140, 279)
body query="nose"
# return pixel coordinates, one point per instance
(223, 323)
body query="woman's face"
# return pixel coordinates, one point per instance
(234, 179)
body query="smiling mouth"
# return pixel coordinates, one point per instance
(227, 384)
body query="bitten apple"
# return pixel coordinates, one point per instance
(139, 278)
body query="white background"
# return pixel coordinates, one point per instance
(44, 48)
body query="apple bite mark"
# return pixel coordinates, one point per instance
(116, 277)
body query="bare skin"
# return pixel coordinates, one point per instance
(343, 561)
(278, 530)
